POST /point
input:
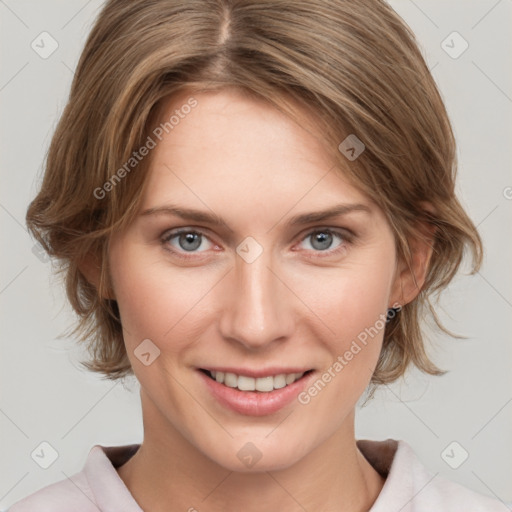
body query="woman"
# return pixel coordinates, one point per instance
(303, 151)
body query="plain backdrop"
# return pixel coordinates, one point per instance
(467, 414)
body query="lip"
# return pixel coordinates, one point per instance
(255, 403)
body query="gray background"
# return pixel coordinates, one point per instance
(46, 397)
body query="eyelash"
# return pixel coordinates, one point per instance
(346, 237)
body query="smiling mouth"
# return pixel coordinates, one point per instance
(262, 384)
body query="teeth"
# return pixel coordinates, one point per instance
(290, 378)
(231, 380)
(246, 383)
(263, 384)
(279, 381)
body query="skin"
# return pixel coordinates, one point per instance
(246, 162)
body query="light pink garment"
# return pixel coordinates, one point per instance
(409, 486)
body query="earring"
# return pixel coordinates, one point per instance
(391, 313)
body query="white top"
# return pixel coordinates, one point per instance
(409, 486)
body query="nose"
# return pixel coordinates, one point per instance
(259, 308)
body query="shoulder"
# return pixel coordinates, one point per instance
(444, 494)
(431, 491)
(97, 487)
(71, 493)
(412, 487)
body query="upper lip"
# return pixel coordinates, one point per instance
(251, 372)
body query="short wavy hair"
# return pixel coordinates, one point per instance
(354, 65)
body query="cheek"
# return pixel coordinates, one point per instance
(350, 298)
(156, 302)
(352, 302)
(355, 312)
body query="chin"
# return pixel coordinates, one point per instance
(252, 454)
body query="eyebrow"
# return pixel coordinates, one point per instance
(213, 219)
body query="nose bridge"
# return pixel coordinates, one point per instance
(258, 312)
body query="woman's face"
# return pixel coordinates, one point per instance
(262, 293)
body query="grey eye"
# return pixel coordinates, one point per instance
(189, 241)
(322, 240)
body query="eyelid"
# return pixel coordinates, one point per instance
(345, 233)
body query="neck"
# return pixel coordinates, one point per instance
(169, 473)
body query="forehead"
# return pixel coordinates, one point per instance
(238, 147)
(237, 123)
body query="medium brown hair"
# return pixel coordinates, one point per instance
(353, 65)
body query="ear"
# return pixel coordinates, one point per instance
(410, 275)
(90, 267)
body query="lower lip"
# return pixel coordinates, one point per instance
(255, 403)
